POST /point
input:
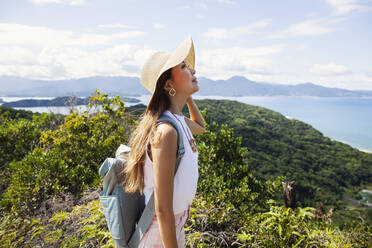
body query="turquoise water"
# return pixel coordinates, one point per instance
(348, 120)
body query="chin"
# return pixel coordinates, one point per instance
(196, 90)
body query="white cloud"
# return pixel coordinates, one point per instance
(44, 53)
(305, 28)
(224, 63)
(115, 25)
(351, 81)
(158, 25)
(74, 62)
(343, 7)
(354, 81)
(256, 64)
(29, 71)
(223, 33)
(18, 34)
(69, 2)
(10, 55)
(330, 69)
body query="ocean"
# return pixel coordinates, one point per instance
(346, 119)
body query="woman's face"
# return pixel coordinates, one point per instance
(184, 80)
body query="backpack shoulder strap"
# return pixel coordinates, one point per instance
(149, 211)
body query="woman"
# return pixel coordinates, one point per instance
(151, 163)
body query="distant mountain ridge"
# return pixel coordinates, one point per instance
(240, 86)
(130, 86)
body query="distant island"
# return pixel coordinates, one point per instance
(131, 87)
(56, 102)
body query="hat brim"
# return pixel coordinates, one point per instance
(184, 52)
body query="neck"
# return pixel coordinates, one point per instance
(177, 104)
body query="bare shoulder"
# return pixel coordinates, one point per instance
(167, 129)
(166, 133)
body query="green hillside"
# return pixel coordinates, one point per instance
(50, 182)
(323, 169)
(15, 114)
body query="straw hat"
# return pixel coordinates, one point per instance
(161, 61)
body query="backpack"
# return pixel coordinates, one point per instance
(126, 214)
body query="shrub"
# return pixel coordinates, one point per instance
(69, 157)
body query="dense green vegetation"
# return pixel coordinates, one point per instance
(10, 113)
(65, 159)
(20, 132)
(324, 170)
(49, 196)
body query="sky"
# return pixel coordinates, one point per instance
(325, 42)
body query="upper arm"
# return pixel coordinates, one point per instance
(195, 128)
(164, 159)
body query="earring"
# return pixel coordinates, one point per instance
(172, 92)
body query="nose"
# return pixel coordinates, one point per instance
(192, 71)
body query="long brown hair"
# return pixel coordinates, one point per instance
(145, 134)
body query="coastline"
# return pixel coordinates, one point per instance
(310, 111)
(365, 150)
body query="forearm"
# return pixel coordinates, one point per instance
(167, 229)
(195, 114)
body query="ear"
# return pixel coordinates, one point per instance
(168, 85)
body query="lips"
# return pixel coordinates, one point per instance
(195, 80)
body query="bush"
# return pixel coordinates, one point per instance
(69, 157)
(228, 193)
(282, 227)
(18, 137)
(84, 226)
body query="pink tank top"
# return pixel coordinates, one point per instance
(186, 178)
